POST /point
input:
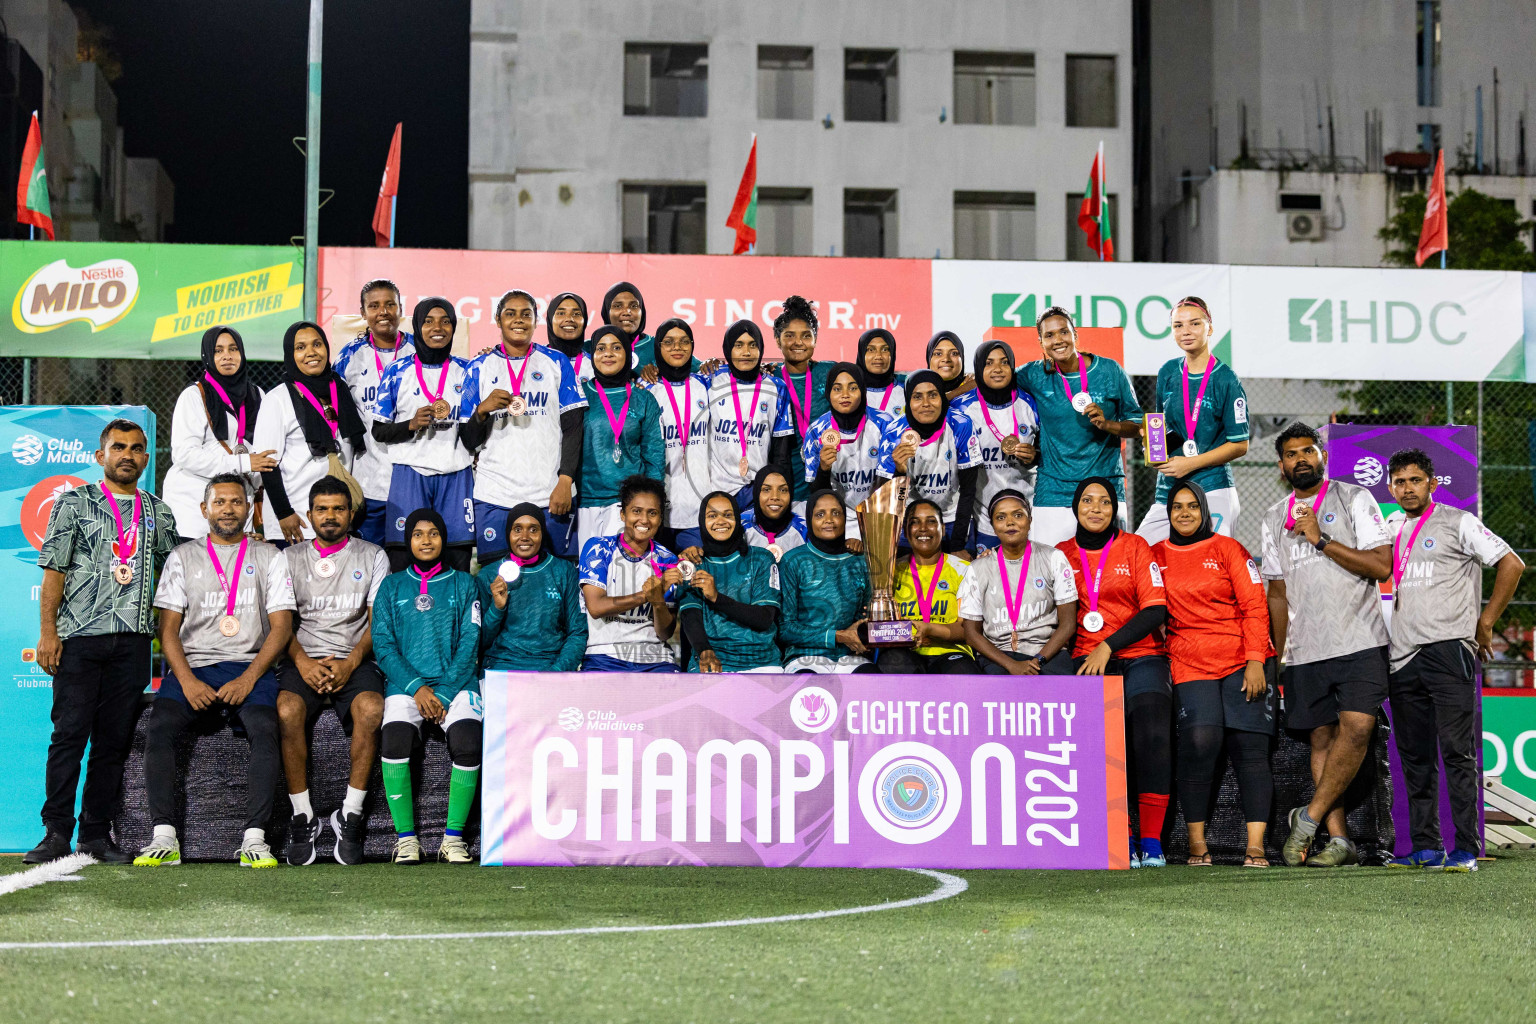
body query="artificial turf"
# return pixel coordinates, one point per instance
(1177, 944)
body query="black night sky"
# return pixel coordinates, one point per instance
(215, 90)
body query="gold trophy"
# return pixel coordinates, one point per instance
(880, 523)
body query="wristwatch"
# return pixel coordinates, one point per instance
(1323, 540)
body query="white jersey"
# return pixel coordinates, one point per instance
(858, 460)
(362, 366)
(934, 471)
(1439, 594)
(629, 635)
(791, 537)
(434, 450)
(189, 584)
(764, 420)
(890, 401)
(333, 609)
(688, 472)
(998, 472)
(1047, 585)
(278, 430)
(521, 458)
(197, 457)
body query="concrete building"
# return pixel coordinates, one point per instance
(894, 129)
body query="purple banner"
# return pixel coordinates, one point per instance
(806, 770)
(1359, 454)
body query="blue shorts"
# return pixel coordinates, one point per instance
(1146, 674)
(603, 663)
(447, 494)
(262, 695)
(491, 537)
(370, 525)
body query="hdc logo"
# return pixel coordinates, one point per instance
(1392, 321)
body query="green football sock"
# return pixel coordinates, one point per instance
(461, 794)
(397, 786)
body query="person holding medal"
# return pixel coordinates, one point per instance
(1004, 421)
(750, 421)
(945, 356)
(546, 629)
(730, 611)
(361, 365)
(621, 437)
(842, 448)
(1019, 604)
(771, 522)
(1325, 549)
(526, 429)
(1120, 614)
(936, 449)
(824, 597)
(426, 635)
(927, 592)
(804, 380)
(212, 427)
(1207, 415)
(423, 410)
(876, 360)
(683, 398)
(1086, 407)
(226, 615)
(631, 586)
(312, 427)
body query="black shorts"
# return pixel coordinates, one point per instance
(367, 679)
(1316, 692)
(1222, 702)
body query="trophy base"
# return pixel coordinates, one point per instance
(895, 633)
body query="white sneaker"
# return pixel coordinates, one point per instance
(454, 850)
(162, 851)
(255, 853)
(407, 850)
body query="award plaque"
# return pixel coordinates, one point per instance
(1157, 438)
(880, 522)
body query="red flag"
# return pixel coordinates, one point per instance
(744, 211)
(1436, 236)
(1093, 214)
(384, 209)
(32, 184)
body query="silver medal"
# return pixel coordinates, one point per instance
(1093, 622)
(509, 571)
(1081, 401)
(685, 569)
(1190, 448)
(325, 568)
(423, 602)
(618, 455)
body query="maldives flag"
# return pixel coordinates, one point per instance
(389, 188)
(32, 184)
(1435, 237)
(1093, 214)
(744, 211)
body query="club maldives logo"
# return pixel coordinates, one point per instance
(571, 719)
(37, 506)
(1368, 471)
(27, 449)
(813, 709)
(100, 294)
(1392, 321)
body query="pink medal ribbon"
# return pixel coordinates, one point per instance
(647, 556)
(125, 549)
(1192, 419)
(320, 408)
(327, 552)
(577, 367)
(513, 377)
(231, 583)
(885, 399)
(1082, 379)
(802, 412)
(1290, 506)
(442, 382)
(943, 426)
(1400, 561)
(986, 415)
(378, 363)
(925, 600)
(616, 422)
(239, 413)
(426, 576)
(843, 437)
(1098, 574)
(683, 418)
(1014, 602)
(741, 427)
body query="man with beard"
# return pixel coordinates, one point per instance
(1325, 547)
(226, 615)
(362, 364)
(101, 553)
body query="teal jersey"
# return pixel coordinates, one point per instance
(439, 647)
(752, 578)
(819, 595)
(1223, 417)
(802, 417)
(543, 628)
(1072, 448)
(641, 448)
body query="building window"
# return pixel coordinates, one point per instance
(1429, 138)
(994, 88)
(666, 79)
(869, 85)
(995, 225)
(663, 218)
(1429, 52)
(1077, 241)
(869, 222)
(1090, 91)
(784, 221)
(786, 80)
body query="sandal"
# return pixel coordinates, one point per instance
(1255, 860)
(1199, 860)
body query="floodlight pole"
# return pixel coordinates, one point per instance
(312, 166)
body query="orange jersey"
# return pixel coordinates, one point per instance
(1218, 618)
(1130, 581)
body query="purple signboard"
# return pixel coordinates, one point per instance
(805, 770)
(1359, 454)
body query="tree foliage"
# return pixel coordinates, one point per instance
(1485, 233)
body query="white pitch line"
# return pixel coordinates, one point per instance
(60, 870)
(949, 886)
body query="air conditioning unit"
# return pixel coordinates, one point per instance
(1304, 226)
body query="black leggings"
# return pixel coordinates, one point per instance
(1200, 750)
(169, 718)
(905, 661)
(465, 738)
(1149, 718)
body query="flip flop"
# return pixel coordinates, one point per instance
(1200, 860)
(1250, 861)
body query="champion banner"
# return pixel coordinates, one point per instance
(806, 771)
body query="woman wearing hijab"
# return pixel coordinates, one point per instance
(927, 592)
(683, 398)
(565, 331)
(307, 424)
(824, 596)
(423, 406)
(946, 357)
(211, 431)
(877, 363)
(730, 611)
(771, 523)
(936, 450)
(621, 437)
(426, 638)
(1223, 668)
(842, 448)
(624, 308)
(1120, 614)
(546, 630)
(750, 422)
(1004, 422)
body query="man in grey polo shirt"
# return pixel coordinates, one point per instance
(1325, 547)
(1438, 555)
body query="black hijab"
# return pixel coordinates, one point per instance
(837, 545)
(615, 380)
(569, 349)
(760, 517)
(317, 433)
(1095, 541)
(1207, 528)
(410, 525)
(995, 396)
(241, 394)
(848, 421)
(668, 372)
(927, 430)
(953, 382)
(735, 544)
(426, 355)
(871, 379)
(625, 286)
(528, 508)
(731, 334)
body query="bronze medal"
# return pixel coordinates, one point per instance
(742, 466)
(123, 573)
(1011, 445)
(440, 409)
(518, 406)
(229, 625)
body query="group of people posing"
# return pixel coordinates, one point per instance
(631, 507)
